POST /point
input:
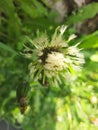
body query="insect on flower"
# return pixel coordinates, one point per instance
(22, 96)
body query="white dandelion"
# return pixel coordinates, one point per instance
(50, 59)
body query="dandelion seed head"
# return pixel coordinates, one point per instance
(51, 58)
(55, 61)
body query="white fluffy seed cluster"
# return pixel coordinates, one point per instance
(55, 61)
(51, 58)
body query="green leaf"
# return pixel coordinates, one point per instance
(40, 7)
(11, 23)
(90, 41)
(7, 48)
(85, 12)
(33, 8)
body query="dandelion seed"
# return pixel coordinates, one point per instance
(71, 37)
(63, 29)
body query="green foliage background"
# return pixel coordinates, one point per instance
(72, 106)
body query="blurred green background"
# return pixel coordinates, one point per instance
(74, 106)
